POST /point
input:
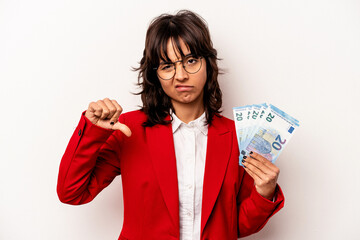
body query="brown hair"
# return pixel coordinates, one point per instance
(193, 30)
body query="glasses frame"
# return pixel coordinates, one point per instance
(182, 63)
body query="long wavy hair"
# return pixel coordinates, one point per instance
(193, 30)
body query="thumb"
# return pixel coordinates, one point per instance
(123, 128)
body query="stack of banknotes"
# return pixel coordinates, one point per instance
(263, 128)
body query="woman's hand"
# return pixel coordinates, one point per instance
(264, 173)
(105, 113)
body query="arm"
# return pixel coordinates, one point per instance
(253, 209)
(259, 195)
(90, 161)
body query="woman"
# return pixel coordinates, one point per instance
(177, 156)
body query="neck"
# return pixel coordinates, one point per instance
(188, 112)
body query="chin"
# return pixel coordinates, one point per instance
(187, 99)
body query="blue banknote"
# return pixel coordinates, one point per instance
(266, 130)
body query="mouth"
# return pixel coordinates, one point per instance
(183, 88)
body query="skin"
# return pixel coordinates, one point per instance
(264, 173)
(105, 113)
(186, 92)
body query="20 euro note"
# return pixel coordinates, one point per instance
(241, 118)
(257, 111)
(271, 135)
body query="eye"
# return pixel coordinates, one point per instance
(191, 60)
(165, 67)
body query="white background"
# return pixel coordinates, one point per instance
(57, 56)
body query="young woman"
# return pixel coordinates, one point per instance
(177, 156)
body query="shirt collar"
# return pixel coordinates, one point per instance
(199, 123)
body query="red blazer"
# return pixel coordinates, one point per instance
(231, 206)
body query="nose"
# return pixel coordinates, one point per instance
(180, 73)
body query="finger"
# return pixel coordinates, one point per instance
(95, 109)
(258, 164)
(254, 170)
(123, 128)
(105, 109)
(264, 160)
(117, 113)
(268, 191)
(265, 174)
(252, 174)
(111, 107)
(259, 157)
(93, 112)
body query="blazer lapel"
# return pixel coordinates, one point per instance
(217, 158)
(162, 154)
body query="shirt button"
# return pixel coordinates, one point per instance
(188, 214)
(189, 186)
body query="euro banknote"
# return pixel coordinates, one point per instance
(263, 128)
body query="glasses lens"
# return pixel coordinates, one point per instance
(166, 70)
(191, 65)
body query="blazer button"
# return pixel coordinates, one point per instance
(79, 133)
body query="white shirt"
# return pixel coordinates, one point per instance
(190, 142)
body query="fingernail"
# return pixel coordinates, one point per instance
(243, 160)
(112, 123)
(244, 166)
(251, 152)
(244, 157)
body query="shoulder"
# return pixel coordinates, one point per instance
(224, 119)
(222, 122)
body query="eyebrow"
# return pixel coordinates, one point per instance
(188, 55)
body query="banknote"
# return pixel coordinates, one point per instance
(267, 130)
(256, 116)
(242, 118)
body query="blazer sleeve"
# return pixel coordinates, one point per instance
(254, 210)
(89, 164)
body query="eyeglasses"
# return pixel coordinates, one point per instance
(167, 70)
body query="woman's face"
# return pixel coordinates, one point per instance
(184, 88)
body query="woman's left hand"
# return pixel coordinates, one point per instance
(264, 173)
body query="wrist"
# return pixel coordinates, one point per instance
(268, 194)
